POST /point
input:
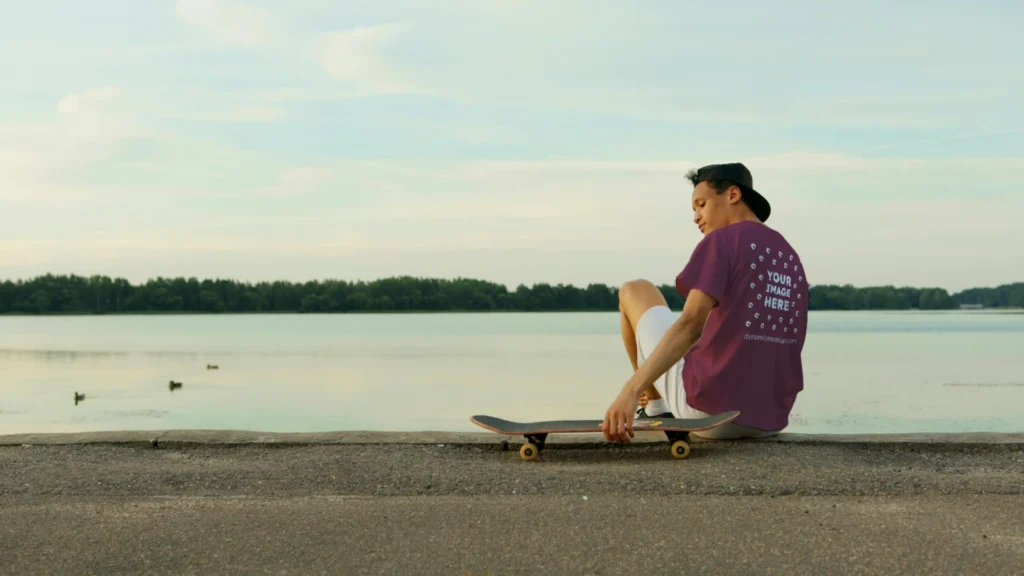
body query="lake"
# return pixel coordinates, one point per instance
(864, 371)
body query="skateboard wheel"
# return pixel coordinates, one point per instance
(680, 449)
(529, 451)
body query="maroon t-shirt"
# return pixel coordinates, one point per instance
(748, 358)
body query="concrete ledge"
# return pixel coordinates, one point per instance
(229, 437)
(914, 438)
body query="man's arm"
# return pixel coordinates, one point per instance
(678, 339)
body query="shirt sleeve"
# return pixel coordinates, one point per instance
(707, 270)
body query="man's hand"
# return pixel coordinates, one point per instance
(618, 420)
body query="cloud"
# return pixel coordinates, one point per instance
(92, 121)
(229, 21)
(255, 114)
(306, 176)
(909, 77)
(97, 146)
(359, 56)
(471, 133)
(236, 114)
(75, 103)
(257, 108)
(40, 161)
(583, 166)
(133, 243)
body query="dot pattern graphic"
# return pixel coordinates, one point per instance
(777, 292)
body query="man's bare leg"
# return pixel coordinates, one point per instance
(635, 298)
(629, 339)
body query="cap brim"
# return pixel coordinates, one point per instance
(758, 204)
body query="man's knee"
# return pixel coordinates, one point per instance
(637, 297)
(634, 290)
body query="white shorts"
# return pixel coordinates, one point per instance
(649, 331)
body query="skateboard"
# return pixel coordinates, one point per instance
(677, 429)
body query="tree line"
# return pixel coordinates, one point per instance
(52, 294)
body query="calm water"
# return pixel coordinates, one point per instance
(865, 372)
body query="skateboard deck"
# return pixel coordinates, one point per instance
(677, 430)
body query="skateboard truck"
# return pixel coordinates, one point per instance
(533, 446)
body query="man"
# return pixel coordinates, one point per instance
(738, 341)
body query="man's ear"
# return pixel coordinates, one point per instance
(735, 195)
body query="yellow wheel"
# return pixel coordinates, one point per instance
(529, 451)
(680, 449)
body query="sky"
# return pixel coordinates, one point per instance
(514, 141)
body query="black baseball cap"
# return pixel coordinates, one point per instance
(738, 174)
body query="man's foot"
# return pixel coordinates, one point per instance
(652, 408)
(641, 414)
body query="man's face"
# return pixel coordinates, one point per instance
(710, 209)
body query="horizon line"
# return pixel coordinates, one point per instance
(509, 287)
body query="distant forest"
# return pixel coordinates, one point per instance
(52, 294)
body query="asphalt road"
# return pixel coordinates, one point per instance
(731, 508)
